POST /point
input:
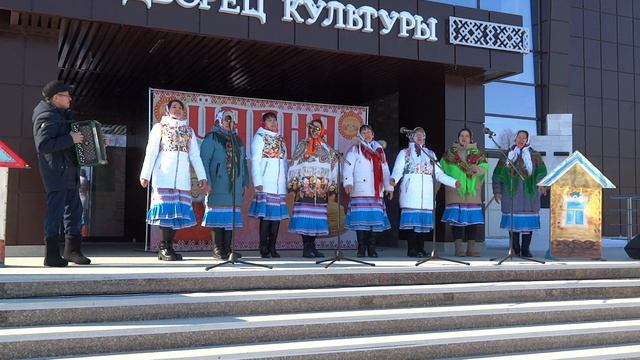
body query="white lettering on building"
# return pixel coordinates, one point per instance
(336, 15)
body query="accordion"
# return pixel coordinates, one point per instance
(92, 151)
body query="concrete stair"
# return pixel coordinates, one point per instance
(420, 321)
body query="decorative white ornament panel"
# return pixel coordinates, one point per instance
(488, 35)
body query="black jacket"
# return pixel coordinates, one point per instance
(56, 153)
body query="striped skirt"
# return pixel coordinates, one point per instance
(367, 213)
(463, 214)
(309, 219)
(269, 207)
(171, 208)
(521, 221)
(418, 220)
(220, 217)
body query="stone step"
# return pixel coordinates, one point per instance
(182, 333)
(82, 309)
(592, 353)
(185, 278)
(419, 345)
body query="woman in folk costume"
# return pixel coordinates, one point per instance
(523, 197)
(269, 175)
(466, 163)
(366, 179)
(223, 156)
(171, 148)
(414, 167)
(312, 178)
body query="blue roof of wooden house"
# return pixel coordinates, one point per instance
(576, 158)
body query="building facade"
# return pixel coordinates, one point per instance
(403, 59)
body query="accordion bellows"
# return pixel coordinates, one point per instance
(92, 151)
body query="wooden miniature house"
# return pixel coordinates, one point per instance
(8, 159)
(576, 208)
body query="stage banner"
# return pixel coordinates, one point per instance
(341, 121)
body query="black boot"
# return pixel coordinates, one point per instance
(217, 244)
(526, 241)
(371, 244)
(52, 253)
(166, 252)
(515, 241)
(307, 247)
(313, 248)
(411, 245)
(362, 246)
(227, 244)
(72, 252)
(264, 239)
(420, 237)
(273, 236)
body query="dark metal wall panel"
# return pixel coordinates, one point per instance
(503, 59)
(391, 44)
(174, 17)
(470, 56)
(71, 8)
(18, 5)
(441, 51)
(357, 41)
(273, 30)
(134, 13)
(223, 25)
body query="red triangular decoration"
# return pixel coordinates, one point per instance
(8, 158)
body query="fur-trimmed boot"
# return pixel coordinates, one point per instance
(371, 244)
(459, 247)
(471, 249)
(526, 242)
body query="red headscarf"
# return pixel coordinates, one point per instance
(314, 142)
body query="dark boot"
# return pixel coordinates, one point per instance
(52, 253)
(217, 243)
(273, 236)
(307, 247)
(313, 248)
(411, 246)
(166, 252)
(72, 252)
(515, 241)
(227, 244)
(526, 241)
(371, 244)
(420, 245)
(362, 246)
(264, 239)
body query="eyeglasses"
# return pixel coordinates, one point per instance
(65, 95)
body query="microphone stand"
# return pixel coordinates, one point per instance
(434, 249)
(233, 258)
(338, 253)
(511, 253)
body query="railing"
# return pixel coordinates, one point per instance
(629, 210)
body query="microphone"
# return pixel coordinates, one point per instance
(488, 131)
(404, 130)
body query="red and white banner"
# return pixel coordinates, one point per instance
(341, 121)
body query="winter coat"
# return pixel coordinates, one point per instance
(470, 191)
(416, 189)
(171, 148)
(358, 171)
(214, 158)
(269, 162)
(55, 150)
(526, 198)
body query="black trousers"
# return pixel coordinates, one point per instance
(63, 214)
